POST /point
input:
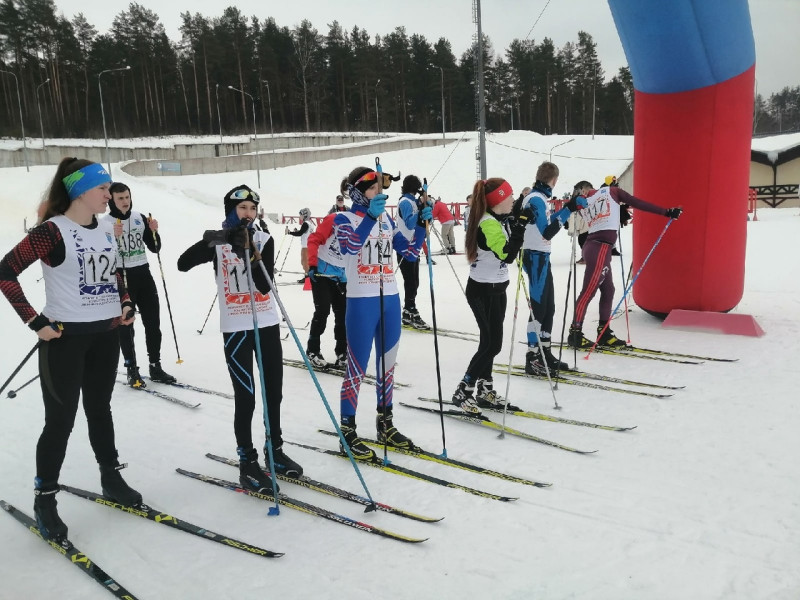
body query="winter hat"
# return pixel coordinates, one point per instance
(118, 188)
(610, 180)
(362, 178)
(497, 195)
(305, 214)
(411, 185)
(236, 195)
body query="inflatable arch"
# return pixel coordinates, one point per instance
(693, 67)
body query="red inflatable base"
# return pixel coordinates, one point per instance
(713, 322)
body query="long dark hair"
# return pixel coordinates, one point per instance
(478, 207)
(56, 200)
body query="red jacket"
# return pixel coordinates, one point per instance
(441, 213)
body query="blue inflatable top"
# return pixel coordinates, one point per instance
(681, 45)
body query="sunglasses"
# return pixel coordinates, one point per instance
(245, 195)
(371, 176)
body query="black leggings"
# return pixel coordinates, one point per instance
(488, 304)
(144, 295)
(68, 366)
(239, 352)
(328, 294)
(410, 271)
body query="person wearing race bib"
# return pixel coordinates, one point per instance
(413, 199)
(225, 250)
(78, 329)
(493, 242)
(134, 232)
(328, 288)
(306, 229)
(368, 238)
(536, 264)
(603, 214)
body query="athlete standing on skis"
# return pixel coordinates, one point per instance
(367, 239)
(413, 200)
(134, 231)
(78, 329)
(328, 288)
(306, 229)
(536, 263)
(602, 214)
(225, 249)
(490, 248)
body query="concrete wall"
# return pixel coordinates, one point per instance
(52, 155)
(249, 162)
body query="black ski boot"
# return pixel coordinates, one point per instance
(357, 446)
(114, 485)
(608, 338)
(387, 432)
(576, 338)
(485, 395)
(134, 379)
(535, 362)
(46, 513)
(283, 464)
(552, 361)
(251, 475)
(464, 398)
(159, 374)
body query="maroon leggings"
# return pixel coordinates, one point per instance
(597, 276)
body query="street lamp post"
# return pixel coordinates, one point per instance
(377, 118)
(550, 159)
(442, 71)
(255, 133)
(103, 111)
(39, 108)
(271, 129)
(22, 124)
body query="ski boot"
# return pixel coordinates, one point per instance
(134, 379)
(486, 396)
(464, 398)
(607, 338)
(46, 513)
(114, 486)
(251, 475)
(387, 432)
(159, 374)
(283, 464)
(576, 338)
(358, 448)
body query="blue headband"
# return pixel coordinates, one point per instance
(85, 179)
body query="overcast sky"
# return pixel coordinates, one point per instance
(776, 24)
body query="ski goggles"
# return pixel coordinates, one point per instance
(371, 176)
(245, 195)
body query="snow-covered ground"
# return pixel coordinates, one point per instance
(700, 501)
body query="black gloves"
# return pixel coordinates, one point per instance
(236, 237)
(518, 228)
(516, 208)
(673, 213)
(624, 215)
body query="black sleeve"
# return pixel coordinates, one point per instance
(151, 238)
(268, 258)
(301, 231)
(551, 230)
(198, 254)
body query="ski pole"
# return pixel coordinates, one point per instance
(280, 248)
(382, 373)
(285, 256)
(210, 308)
(428, 228)
(260, 360)
(502, 434)
(301, 348)
(622, 270)
(566, 297)
(628, 289)
(166, 293)
(447, 256)
(20, 365)
(13, 393)
(553, 385)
